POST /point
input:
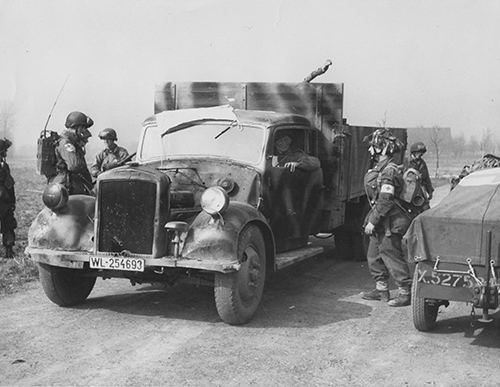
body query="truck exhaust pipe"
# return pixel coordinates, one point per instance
(318, 71)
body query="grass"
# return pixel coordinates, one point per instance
(16, 272)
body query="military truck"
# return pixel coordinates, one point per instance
(205, 200)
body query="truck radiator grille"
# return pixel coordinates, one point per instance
(126, 216)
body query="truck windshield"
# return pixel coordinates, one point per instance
(220, 139)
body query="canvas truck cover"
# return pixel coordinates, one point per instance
(456, 229)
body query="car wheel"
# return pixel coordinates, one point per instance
(238, 294)
(63, 286)
(424, 310)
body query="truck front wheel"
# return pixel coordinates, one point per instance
(63, 286)
(424, 310)
(238, 294)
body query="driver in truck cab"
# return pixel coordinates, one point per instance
(387, 222)
(293, 158)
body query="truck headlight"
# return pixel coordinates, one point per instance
(214, 200)
(55, 196)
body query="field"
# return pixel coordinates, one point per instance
(29, 185)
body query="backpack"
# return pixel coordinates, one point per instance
(46, 160)
(412, 192)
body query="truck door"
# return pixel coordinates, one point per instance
(294, 193)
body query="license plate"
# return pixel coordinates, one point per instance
(453, 280)
(117, 263)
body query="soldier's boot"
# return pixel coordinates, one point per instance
(9, 252)
(376, 295)
(403, 298)
(381, 292)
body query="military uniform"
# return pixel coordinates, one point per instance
(8, 222)
(385, 254)
(72, 171)
(386, 224)
(303, 160)
(421, 166)
(108, 159)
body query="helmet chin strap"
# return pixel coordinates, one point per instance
(384, 151)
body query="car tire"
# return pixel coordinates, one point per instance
(238, 294)
(63, 286)
(424, 313)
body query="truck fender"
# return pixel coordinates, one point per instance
(217, 238)
(70, 229)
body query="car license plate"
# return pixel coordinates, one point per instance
(117, 263)
(454, 280)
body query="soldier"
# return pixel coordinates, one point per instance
(112, 156)
(386, 222)
(487, 161)
(7, 201)
(417, 150)
(294, 158)
(72, 171)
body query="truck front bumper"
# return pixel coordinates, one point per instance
(77, 259)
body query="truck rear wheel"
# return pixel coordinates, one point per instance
(424, 312)
(238, 294)
(63, 286)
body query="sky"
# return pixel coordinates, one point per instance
(416, 63)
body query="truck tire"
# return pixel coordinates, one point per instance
(424, 313)
(238, 294)
(63, 286)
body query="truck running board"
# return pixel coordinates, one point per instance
(288, 258)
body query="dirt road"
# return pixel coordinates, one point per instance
(313, 329)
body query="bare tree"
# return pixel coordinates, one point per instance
(437, 139)
(486, 143)
(382, 123)
(473, 146)
(458, 146)
(7, 118)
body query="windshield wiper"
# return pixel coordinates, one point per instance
(177, 171)
(232, 124)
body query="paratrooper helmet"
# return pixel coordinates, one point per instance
(418, 147)
(4, 145)
(382, 142)
(108, 134)
(76, 119)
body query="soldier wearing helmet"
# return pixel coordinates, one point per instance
(387, 221)
(111, 156)
(417, 150)
(7, 201)
(72, 170)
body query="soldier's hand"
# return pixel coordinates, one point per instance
(369, 228)
(291, 165)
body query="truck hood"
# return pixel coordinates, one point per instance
(456, 229)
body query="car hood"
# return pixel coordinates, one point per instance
(456, 229)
